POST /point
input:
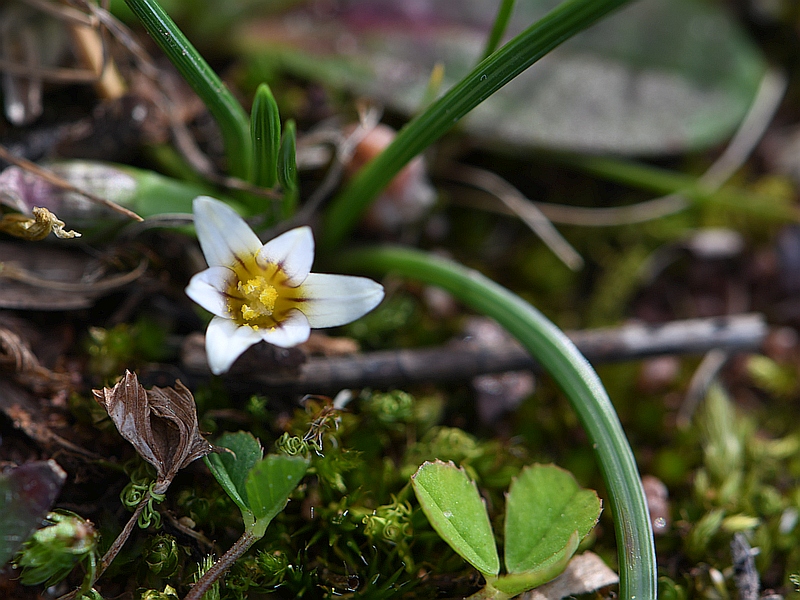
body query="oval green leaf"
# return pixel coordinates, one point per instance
(231, 468)
(456, 511)
(514, 584)
(270, 482)
(545, 507)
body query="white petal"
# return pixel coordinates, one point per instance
(225, 342)
(222, 233)
(293, 251)
(291, 331)
(333, 300)
(208, 288)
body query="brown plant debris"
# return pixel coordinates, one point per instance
(37, 227)
(161, 423)
(16, 356)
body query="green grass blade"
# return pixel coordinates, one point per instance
(558, 355)
(499, 27)
(665, 181)
(265, 132)
(287, 169)
(486, 78)
(225, 109)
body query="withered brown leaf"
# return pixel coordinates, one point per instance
(161, 423)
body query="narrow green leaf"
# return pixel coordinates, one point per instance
(270, 483)
(544, 508)
(584, 390)
(499, 27)
(514, 584)
(484, 80)
(265, 131)
(665, 181)
(287, 169)
(27, 493)
(456, 511)
(231, 468)
(225, 109)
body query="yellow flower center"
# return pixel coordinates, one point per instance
(260, 296)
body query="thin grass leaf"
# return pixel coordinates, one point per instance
(499, 27)
(225, 109)
(584, 390)
(287, 169)
(265, 131)
(486, 78)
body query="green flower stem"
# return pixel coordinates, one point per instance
(226, 110)
(486, 78)
(558, 355)
(499, 27)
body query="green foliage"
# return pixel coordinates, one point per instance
(140, 487)
(162, 555)
(125, 345)
(53, 551)
(271, 481)
(259, 487)
(265, 131)
(455, 509)
(287, 169)
(231, 468)
(778, 380)
(545, 505)
(547, 515)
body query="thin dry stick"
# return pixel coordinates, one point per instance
(701, 380)
(368, 119)
(216, 571)
(183, 139)
(49, 74)
(10, 271)
(65, 13)
(462, 361)
(766, 103)
(769, 96)
(57, 181)
(112, 552)
(521, 206)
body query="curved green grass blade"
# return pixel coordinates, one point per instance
(226, 110)
(486, 78)
(558, 355)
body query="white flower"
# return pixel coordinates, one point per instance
(266, 291)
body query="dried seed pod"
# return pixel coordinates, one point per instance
(161, 423)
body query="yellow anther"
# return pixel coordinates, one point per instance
(268, 296)
(259, 298)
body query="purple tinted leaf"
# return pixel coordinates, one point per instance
(641, 81)
(26, 495)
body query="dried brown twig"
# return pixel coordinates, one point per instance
(462, 361)
(60, 183)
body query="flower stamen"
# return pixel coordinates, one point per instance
(259, 298)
